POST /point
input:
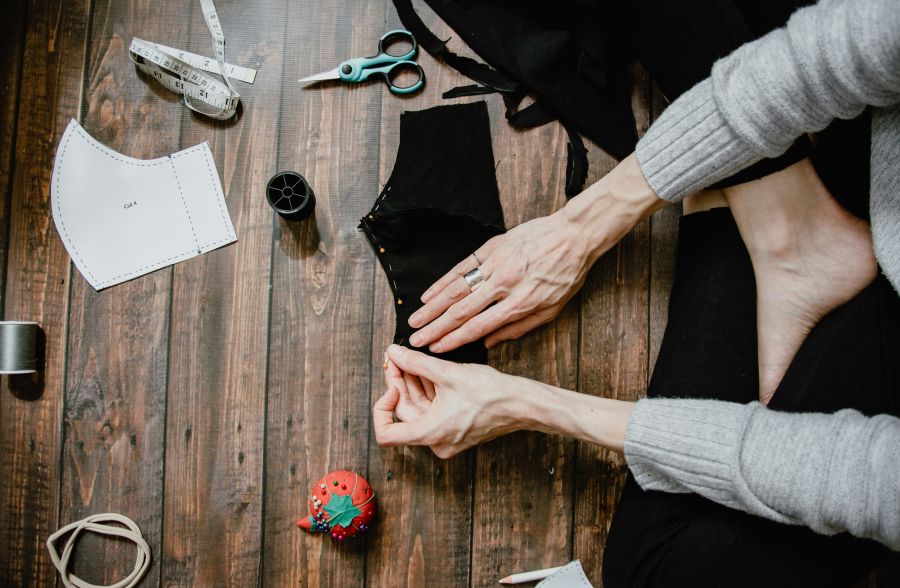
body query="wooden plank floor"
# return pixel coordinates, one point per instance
(203, 400)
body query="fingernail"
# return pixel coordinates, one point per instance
(426, 294)
(416, 340)
(437, 347)
(395, 349)
(414, 319)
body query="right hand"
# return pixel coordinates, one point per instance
(450, 407)
(530, 273)
(447, 406)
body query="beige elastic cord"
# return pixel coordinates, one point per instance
(95, 524)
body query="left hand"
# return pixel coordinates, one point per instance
(531, 271)
(446, 406)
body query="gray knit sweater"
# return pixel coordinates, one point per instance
(830, 472)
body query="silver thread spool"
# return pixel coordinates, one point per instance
(18, 347)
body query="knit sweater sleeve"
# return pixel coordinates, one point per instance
(830, 61)
(831, 472)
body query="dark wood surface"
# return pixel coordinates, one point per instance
(202, 400)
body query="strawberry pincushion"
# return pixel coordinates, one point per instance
(341, 503)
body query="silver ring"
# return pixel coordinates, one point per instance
(478, 261)
(473, 278)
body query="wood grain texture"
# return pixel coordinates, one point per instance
(523, 483)
(203, 400)
(12, 46)
(115, 407)
(424, 530)
(218, 341)
(613, 363)
(36, 289)
(322, 272)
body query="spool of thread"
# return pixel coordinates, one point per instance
(18, 347)
(290, 195)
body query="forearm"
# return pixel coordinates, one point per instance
(553, 410)
(831, 61)
(831, 472)
(608, 209)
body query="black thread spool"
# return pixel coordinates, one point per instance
(290, 195)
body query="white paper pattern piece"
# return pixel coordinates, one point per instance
(121, 217)
(570, 575)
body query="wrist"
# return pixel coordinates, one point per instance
(608, 209)
(525, 403)
(553, 410)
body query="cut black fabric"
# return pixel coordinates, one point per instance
(573, 55)
(558, 51)
(439, 205)
(709, 351)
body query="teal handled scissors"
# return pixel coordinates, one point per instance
(385, 64)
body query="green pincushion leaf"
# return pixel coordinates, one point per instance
(341, 511)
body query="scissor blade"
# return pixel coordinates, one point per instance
(331, 74)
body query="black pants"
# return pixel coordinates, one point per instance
(709, 351)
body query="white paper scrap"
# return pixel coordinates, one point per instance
(570, 575)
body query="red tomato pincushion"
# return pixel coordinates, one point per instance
(342, 503)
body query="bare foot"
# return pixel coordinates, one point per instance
(809, 256)
(797, 287)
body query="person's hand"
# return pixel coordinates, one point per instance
(446, 406)
(534, 269)
(451, 407)
(530, 273)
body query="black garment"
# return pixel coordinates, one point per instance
(709, 351)
(561, 54)
(439, 205)
(560, 51)
(842, 158)
(678, 41)
(573, 55)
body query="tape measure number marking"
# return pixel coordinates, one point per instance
(185, 73)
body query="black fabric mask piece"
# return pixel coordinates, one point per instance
(440, 204)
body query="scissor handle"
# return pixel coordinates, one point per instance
(391, 37)
(385, 64)
(394, 70)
